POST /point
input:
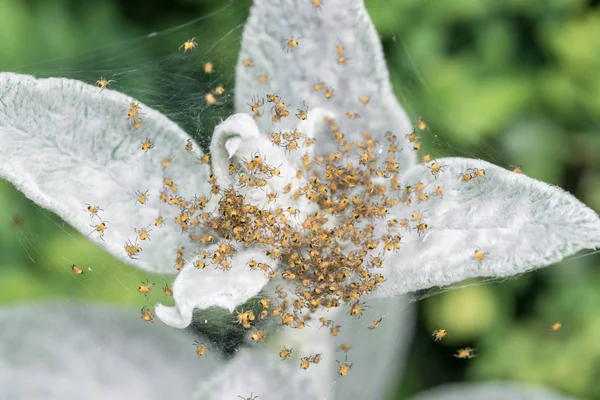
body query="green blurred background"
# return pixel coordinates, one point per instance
(514, 82)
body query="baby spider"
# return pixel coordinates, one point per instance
(210, 99)
(219, 90)
(479, 255)
(167, 290)
(263, 78)
(256, 104)
(305, 362)
(142, 196)
(352, 115)
(467, 352)
(93, 210)
(102, 83)
(285, 353)
(205, 159)
(477, 173)
(436, 168)
(439, 334)
(100, 228)
(257, 335)
(143, 233)
(375, 324)
(302, 113)
(356, 309)
(412, 137)
(345, 347)
(291, 43)
(421, 124)
(147, 315)
(517, 169)
(189, 146)
(147, 145)
(200, 348)
(249, 398)
(329, 93)
(145, 288)
(76, 269)
(422, 227)
(344, 367)
(248, 62)
(132, 249)
(556, 326)
(189, 44)
(324, 322)
(466, 176)
(208, 68)
(136, 123)
(335, 330)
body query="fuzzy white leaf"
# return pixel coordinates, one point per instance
(292, 72)
(490, 391)
(519, 224)
(380, 353)
(66, 144)
(207, 287)
(259, 370)
(238, 140)
(64, 351)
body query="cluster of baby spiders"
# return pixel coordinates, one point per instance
(319, 265)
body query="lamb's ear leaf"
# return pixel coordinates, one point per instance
(237, 140)
(210, 286)
(66, 145)
(517, 223)
(293, 72)
(258, 369)
(381, 348)
(60, 350)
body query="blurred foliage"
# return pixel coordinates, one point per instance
(511, 82)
